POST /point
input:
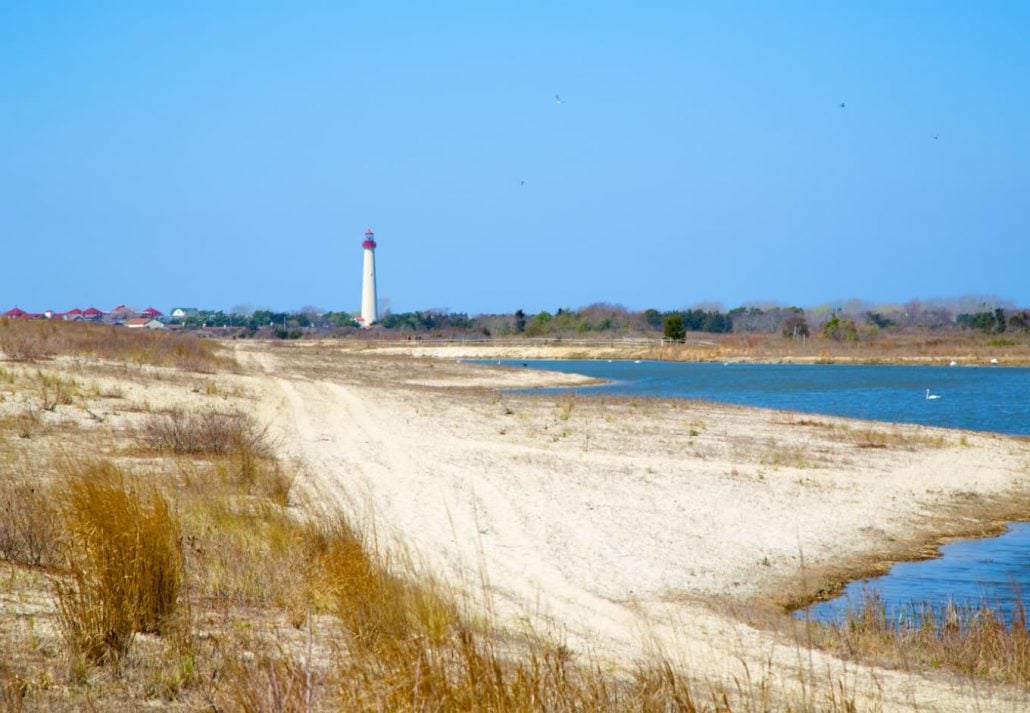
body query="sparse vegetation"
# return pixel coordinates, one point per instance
(971, 639)
(29, 532)
(37, 340)
(206, 432)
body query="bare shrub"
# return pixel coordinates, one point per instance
(207, 433)
(33, 340)
(125, 562)
(266, 683)
(27, 341)
(29, 527)
(14, 690)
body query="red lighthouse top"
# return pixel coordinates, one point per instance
(369, 239)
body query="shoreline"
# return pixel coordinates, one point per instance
(730, 350)
(615, 522)
(977, 521)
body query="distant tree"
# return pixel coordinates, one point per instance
(673, 328)
(795, 326)
(309, 315)
(879, 321)
(840, 330)
(520, 321)
(984, 321)
(653, 317)
(717, 322)
(1020, 320)
(540, 323)
(339, 319)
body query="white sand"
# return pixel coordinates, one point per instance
(620, 525)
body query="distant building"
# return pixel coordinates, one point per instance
(182, 312)
(144, 323)
(369, 295)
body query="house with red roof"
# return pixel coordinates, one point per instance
(92, 313)
(15, 313)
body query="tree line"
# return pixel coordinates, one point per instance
(833, 323)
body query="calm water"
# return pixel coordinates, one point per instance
(977, 398)
(995, 571)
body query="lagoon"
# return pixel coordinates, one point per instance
(976, 398)
(995, 571)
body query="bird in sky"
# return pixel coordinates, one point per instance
(522, 182)
(557, 99)
(936, 136)
(842, 105)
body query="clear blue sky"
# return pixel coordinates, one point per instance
(213, 154)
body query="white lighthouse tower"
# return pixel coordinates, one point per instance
(369, 313)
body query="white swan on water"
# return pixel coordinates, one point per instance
(932, 396)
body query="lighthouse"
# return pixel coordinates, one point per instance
(369, 314)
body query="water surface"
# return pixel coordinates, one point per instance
(994, 572)
(976, 398)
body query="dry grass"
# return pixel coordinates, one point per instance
(903, 437)
(884, 348)
(270, 682)
(35, 340)
(240, 447)
(29, 530)
(124, 559)
(971, 640)
(208, 432)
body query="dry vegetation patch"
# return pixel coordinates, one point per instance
(39, 340)
(124, 562)
(971, 639)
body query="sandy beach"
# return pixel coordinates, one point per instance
(620, 527)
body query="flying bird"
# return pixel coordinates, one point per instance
(936, 136)
(842, 105)
(557, 99)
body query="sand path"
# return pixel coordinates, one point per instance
(504, 502)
